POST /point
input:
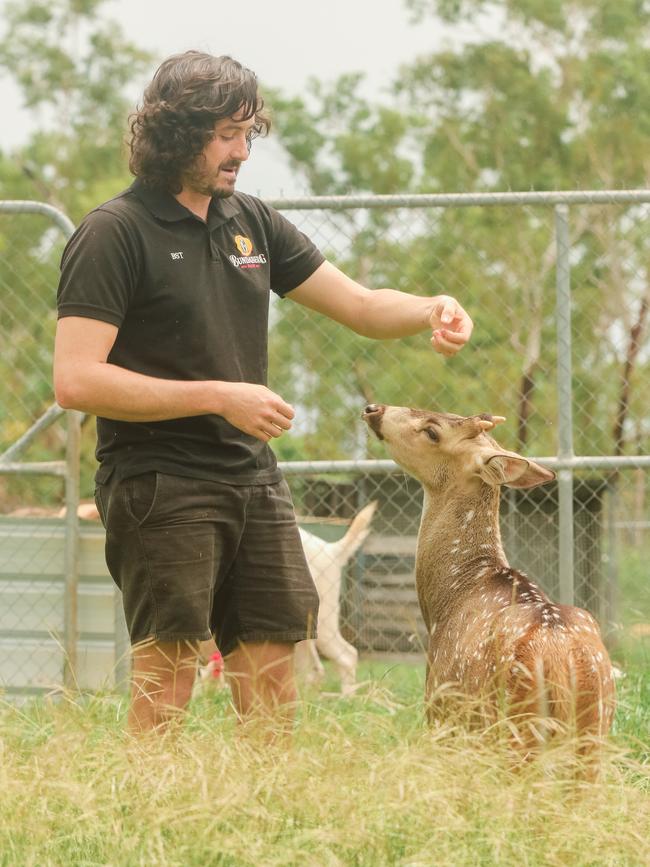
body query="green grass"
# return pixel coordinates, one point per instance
(634, 586)
(632, 723)
(364, 783)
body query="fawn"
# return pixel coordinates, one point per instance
(494, 635)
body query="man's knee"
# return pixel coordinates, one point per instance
(264, 659)
(164, 671)
(261, 673)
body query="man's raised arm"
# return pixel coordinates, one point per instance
(384, 313)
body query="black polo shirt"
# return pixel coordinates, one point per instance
(191, 302)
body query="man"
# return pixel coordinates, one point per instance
(162, 334)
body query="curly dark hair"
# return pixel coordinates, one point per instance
(188, 94)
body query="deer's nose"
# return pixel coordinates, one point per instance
(373, 415)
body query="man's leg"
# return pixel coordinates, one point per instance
(262, 682)
(162, 680)
(265, 604)
(166, 538)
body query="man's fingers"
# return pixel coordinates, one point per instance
(270, 429)
(450, 339)
(449, 311)
(447, 342)
(257, 411)
(464, 329)
(285, 409)
(282, 423)
(456, 337)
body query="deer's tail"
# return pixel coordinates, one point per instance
(355, 535)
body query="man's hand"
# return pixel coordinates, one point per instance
(451, 325)
(255, 409)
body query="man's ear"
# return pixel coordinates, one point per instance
(508, 468)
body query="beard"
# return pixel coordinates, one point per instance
(208, 183)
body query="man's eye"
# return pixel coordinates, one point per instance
(433, 436)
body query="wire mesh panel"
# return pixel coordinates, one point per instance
(499, 257)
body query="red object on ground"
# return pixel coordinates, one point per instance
(217, 667)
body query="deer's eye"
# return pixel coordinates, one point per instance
(433, 436)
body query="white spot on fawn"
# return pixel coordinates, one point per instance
(468, 517)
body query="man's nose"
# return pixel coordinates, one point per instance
(240, 149)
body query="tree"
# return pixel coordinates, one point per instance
(73, 68)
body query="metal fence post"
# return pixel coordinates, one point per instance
(565, 397)
(609, 604)
(71, 552)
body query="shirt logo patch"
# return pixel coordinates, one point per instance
(178, 255)
(244, 245)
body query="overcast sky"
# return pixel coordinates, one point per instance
(284, 41)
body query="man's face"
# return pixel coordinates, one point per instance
(214, 172)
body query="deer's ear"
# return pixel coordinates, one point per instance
(507, 468)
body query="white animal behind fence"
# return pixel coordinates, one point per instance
(327, 562)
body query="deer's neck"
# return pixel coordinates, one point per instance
(459, 545)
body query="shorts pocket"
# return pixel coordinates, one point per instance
(102, 478)
(140, 495)
(100, 503)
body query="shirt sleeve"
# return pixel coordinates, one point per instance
(294, 257)
(99, 269)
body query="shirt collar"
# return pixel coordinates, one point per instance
(165, 206)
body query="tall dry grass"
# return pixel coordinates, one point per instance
(363, 783)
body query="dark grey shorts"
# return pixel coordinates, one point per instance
(196, 558)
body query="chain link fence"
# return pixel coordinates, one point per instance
(557, 285)
(558, 288)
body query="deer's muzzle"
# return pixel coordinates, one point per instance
(372, 415)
